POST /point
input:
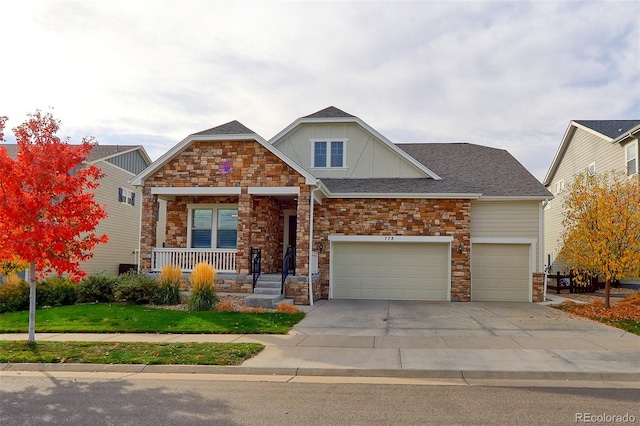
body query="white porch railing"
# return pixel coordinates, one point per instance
(224, 260)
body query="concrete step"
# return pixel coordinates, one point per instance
(267, 301)
(263, 290)
(268, 284)
(270, 277)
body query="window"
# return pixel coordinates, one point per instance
(126, 197)
(632, 158)
(213, 226)
(559, 186)
(329, 154)
(592, 169)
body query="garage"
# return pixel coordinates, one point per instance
(391, 270)
(500, 272)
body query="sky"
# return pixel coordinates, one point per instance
(505, 74)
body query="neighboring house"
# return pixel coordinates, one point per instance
(119, 164)
(366, 218)
(595, 146)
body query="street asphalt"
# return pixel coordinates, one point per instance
(410, 339)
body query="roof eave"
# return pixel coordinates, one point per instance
(133, 149)
(517, 198)
(447, 195)
(631, 134)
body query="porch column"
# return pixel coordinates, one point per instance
(302, 232)
(245, 208)
(148, 227)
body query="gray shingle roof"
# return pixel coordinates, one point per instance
(231, 128)
(97, 152)
(329, 112)
(609, 128)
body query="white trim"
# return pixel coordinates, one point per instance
(517, 198)
(390, 238)
(500, 240)
(365, 126)
(198, 190)
(214, 220)
(400, 195)
(540, 239)
(273, 190)
(626, 157)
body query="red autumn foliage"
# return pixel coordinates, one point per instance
(47, 209)
(628, 309)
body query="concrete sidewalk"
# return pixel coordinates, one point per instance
(407, 339)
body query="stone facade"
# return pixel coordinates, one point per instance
(402, 217)
(538, 287)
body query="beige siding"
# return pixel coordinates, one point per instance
(508, 220)
(582, 149)
(122, 224)
(366, 156)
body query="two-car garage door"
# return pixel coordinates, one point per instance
(393, 271)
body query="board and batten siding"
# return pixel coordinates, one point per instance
(366, 156)
(583, 149)
(509, 220)
(122, 224)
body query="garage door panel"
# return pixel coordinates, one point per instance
(500, 272)
(397, 271)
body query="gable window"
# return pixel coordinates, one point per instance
(632, 158)
(559, 186)
(126, 197)
(213, 226)
(329, 153)
(592, 169)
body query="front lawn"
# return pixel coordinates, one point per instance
(118, 318)
(128, 353)
(624, 315)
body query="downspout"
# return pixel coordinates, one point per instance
(541, 254)
(311, 245)
(140, 229)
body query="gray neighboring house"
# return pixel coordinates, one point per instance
(588, 145)
(119, 163)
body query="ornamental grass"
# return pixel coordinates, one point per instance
(202, 279)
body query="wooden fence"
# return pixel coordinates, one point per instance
(588, 284)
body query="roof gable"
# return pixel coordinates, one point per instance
(329, 112)
(609, 128)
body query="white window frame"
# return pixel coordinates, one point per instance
(627, 159)
(214, 220)
(559, 186)
(329, 141)
(126, 196)
(591, 169)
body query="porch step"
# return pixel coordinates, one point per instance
(267, 301)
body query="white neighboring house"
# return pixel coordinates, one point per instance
(119, 163)
(594, 145)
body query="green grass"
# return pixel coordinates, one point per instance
(629, 325)
(117, 318)
(128, 353)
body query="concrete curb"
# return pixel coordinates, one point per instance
(324, 372)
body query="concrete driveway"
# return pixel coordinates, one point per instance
(446, 319)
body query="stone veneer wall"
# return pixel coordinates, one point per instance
(267, 232)
(224, 164)
(407, 217)
(538, 287)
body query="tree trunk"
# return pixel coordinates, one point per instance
(607, 292)
(32, 303)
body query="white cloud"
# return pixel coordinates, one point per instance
(505, 74)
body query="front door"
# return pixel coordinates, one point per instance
(292, 228)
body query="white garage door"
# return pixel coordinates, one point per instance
(392, 271)
(500, 272)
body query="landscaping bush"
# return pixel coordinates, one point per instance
(169, 286)
(56, 291)
(135, 288)
(14, 295)
(202, 279)
(97, 288)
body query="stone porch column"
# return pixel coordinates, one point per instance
(148, 229)
(245, 209)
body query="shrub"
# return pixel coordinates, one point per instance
(11, 279)
(56, 291)
(169, 286)
(96, 288)
(135, 288)
(202, 279)
(225, 306)
(287, 308)
(14, 296)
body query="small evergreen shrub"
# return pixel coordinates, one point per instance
(202, 279)
(135, 288)
(56, 291)
(14, 295)
(96, 288)
(169, 286)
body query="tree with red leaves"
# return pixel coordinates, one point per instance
(47, 209)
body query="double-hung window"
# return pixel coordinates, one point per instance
(213, 226)
(328, 153)
(631, 152)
